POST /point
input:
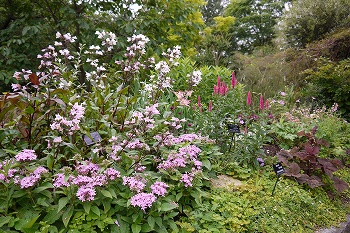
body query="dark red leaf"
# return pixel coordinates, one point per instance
(339, 184)
(303, 178)
(34, 79)
(301, 133)
(314, 182)
(337, 163)
(294, 169)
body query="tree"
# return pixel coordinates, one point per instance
(211, 9)
(255, 22)
(310, 20)
(215, 47)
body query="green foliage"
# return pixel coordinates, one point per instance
(211, 9)
(251, 208)
(336, 131)
(264, 71)
(255, 22)
(215, 48)
(308, 20)
(329, 83)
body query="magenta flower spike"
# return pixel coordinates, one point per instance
(233, 80)
(249, 99)
(210, 108)
(219, 83)
(199, 101)
(261, 102)
(267, 104)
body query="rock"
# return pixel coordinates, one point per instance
(223, 181)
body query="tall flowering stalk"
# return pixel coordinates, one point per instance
(249, 99)
(220, 88)
(233, 80)
(261, 103)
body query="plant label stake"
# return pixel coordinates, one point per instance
(279, 170)
(233, 129)
(95, 137)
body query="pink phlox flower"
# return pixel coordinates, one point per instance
(16, 87)
(57, 139)
(173, 161)
(99, 180)
(283, 93)
(137, 144)
(111, 173)
(40, 170)
(159, 188)
(117, 223)
(82, 180)
(143, 200)
(86, 166)
(86, 193)
(136, 184)
(26, 155)
(187, 179)
(191, 150)
(152, 110)
(29, 181)
(60, 181)
(198, 164)
(77, 111)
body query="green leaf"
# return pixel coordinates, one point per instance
(96, 210)
(151, 221)
(135, 228)
(4, 220)
(173, 226)
(106, 193)
(51, 216)
(146, 228)
(168, 206)
(67, 215)
(206, 163)
(87, 207)
(43, 187)
(62, 203)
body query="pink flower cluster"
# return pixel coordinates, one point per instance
(25, 155)
(159, 188)
(143, 200)
(220, 88)
(136, 183)
(187, 179)
(22, 177)
(89, 176)
(33, 178)
(185, 155)
(175, 122)
(76, 114)
(168, 139)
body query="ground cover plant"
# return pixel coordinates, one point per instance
(133, 149)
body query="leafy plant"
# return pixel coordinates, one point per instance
(306, 166)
